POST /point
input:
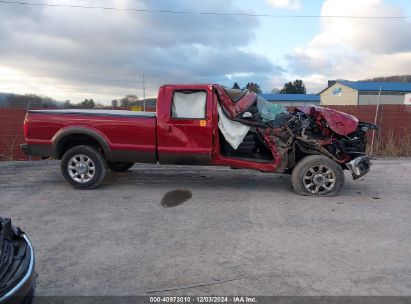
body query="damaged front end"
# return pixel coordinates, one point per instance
(291, 136)
(338, 135)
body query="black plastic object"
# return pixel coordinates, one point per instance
(15, 256)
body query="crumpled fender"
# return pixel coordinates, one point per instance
(339, 122)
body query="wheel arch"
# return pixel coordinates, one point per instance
(67, 138)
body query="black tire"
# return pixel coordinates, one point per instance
(119, 167)
(93, 164)
(317, 175)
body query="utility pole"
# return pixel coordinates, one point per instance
(144, 94)
(375, 120)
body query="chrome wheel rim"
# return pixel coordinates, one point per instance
(319, 179)
(81, 168)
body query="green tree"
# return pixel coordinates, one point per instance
(296, 87)
(125, 102)
(114, 103)
(87, 103)
(236, 86)
(67, 104)
(128, 101)
(48, 102)
(254, 87)
(30, 100)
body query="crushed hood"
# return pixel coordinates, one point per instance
(233, 106)
(235, 102)
(341, 123)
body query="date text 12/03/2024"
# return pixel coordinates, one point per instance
(232, 299)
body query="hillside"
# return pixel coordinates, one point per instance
(3, 98)
(19, 100)
(403, 78)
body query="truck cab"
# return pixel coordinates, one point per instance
(188, 130)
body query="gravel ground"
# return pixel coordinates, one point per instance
(238, 232)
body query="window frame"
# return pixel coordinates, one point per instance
(188, 118)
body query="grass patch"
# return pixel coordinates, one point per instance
(393, 145)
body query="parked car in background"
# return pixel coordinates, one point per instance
(204, 125)
(17, 271)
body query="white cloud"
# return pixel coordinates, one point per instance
(289, 4)
(355, 48)
(81, 52)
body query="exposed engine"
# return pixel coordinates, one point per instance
(275, 134)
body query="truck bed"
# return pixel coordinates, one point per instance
(129, 135)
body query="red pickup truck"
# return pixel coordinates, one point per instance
(204, 125)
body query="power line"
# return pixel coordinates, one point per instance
(130, 77)
(199, 12)
(117, 82)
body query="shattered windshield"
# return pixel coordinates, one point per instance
(268, 110)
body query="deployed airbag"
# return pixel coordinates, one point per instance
(189, 104)
(233, 132)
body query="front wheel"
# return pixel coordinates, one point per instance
(317, 175)
(119, 167)
(83, 167)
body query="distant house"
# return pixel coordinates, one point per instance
(364, 92)
(293, 99)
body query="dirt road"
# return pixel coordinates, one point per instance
(244, 231)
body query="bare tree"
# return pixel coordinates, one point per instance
(10, 144)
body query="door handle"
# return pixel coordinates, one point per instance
(169, 129)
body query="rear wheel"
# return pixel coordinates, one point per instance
(83, 167)
(119, 167)
(317, 175)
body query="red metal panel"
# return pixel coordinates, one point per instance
(121, 133)
(340, 122)
(183, 136)
(11, 133)
(233, 109)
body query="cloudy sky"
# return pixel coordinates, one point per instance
(77, 53)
